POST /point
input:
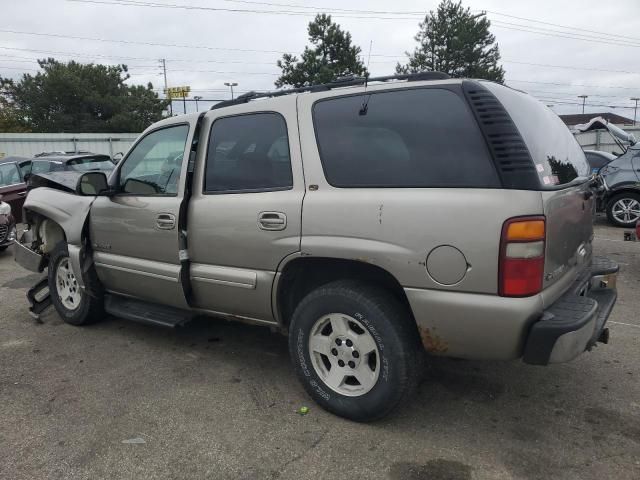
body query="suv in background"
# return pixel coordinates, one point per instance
(621, 181)
(368, 221)
(78, 162)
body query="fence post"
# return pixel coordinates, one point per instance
(597, 139)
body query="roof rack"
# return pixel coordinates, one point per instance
(349, 81)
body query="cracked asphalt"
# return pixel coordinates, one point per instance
(218, 400)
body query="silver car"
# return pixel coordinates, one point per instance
(371, 222)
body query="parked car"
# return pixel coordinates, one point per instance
(598, 159)
(13, 188)
(77, 162)
(7, 226)
(368, 222)
(621, 193)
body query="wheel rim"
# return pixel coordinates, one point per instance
(67, 285)
(344, 354)
(626, 210)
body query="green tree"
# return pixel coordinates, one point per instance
(455, 41)
(10, 120)
(75, 97)
(331, 55)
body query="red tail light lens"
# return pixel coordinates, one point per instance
(522, 256)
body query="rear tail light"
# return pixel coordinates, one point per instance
(522, 256)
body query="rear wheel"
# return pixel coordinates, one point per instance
(623, 210)
(73, 304)
(355, 349)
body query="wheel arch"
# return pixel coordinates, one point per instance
(302, 274)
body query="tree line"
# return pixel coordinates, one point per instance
(75, 97)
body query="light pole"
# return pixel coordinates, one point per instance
(584, 99)
(196, 98)
(231, 85)
(635, 110)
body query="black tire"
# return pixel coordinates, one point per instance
(90, 308)
(612, 201)
(393, 331)
(2, 249)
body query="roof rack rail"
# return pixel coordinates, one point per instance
(349, 81)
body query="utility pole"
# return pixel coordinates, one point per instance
(635, 110)
(231, 85)
(584, 99)
(196, 98)
(184, 101)
(163, 63)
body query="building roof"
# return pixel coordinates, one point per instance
(579, 118)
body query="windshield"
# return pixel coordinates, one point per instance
(91, 163)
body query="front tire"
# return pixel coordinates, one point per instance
(73, 304)
(623, 210)
(355, 349)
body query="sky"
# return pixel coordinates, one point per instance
(555, 50)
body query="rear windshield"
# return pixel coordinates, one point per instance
(557, 156)
(91, 163)
(403, 138)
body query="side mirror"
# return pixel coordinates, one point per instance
(92, 183)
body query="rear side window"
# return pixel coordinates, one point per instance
(88, 164)
(404, 138)
(248, 153)
(558, 157)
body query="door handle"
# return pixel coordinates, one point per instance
(272, 221)
(22, 194)
(166, 221)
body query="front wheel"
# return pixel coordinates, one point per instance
(623, 210)
(355, 349)
(73, 304)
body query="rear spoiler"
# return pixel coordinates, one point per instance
(599, 123)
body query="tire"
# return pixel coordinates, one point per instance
(382, 324)
(630, 199)
(2, 249)
(73, 304)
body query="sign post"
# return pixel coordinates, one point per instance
(179, 92)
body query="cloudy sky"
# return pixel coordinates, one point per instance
(556, 50)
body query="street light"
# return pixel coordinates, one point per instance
(196, 98)
(231, 85)
(635, 110)
(584, 99)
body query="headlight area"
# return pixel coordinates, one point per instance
(5, 208)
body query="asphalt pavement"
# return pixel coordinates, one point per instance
(219, 400)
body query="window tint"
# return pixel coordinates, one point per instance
(91, 163)
(9, 174)
(153, 166)
(248, 153)
(406, 138)
(558, 157)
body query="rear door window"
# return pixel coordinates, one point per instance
(403, 138)
(9, 174)
(248, 153)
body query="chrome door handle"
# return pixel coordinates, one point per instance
(166, 221)
(272, 221)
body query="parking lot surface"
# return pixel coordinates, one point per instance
(219, 400)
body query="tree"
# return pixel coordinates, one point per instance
(331, 56)
(455, 41)
(9, 117)
(75, 97)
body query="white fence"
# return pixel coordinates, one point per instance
(30, 144)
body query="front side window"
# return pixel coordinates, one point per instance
(248, 153)
(9, 174)
(403, 138)
(153, 167)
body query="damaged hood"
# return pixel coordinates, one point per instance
(65, 181)
(599, 123)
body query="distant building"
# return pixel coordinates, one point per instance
(571, 120)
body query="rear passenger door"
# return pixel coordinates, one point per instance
(244, 215)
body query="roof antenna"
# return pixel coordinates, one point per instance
(365, 102)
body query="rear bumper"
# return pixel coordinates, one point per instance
(576, 321)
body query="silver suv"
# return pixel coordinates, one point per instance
(368, 221)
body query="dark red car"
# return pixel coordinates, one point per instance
(13, 188)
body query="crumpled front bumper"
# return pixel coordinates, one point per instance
(576, 321)
(26, 257)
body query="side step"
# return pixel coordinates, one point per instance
(144, 312)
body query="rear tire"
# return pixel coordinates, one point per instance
(73, 304)
(355, 349)
(621, 207)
